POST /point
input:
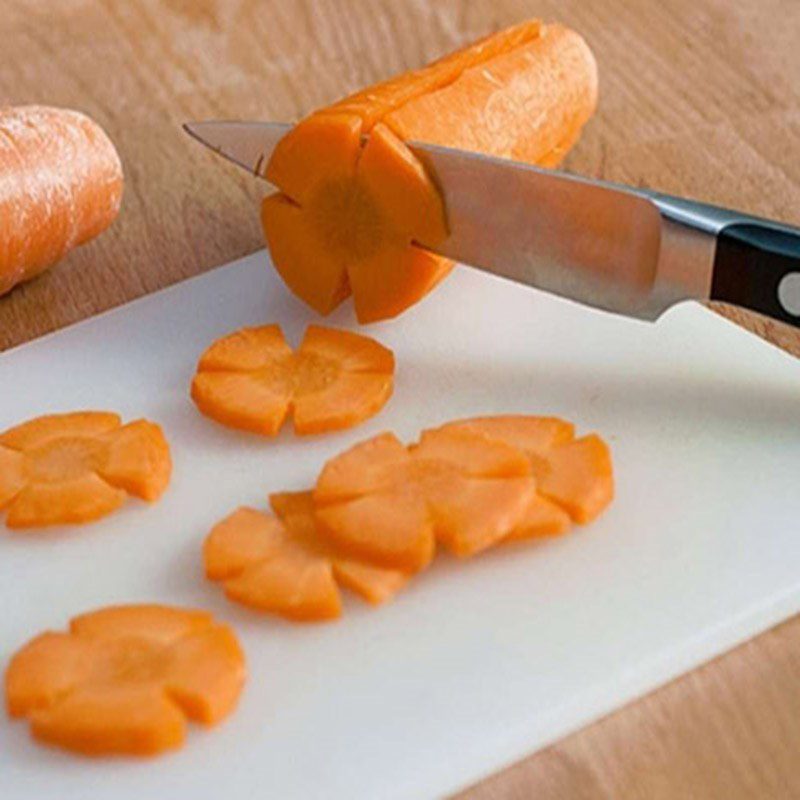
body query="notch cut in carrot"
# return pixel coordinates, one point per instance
(358, 214)
(77, 467)
(123, 680)
(252, 380)
(278, 563)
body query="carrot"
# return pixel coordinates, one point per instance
(574, 474)
(60, 185)
(356, 212)
(379, 509)
(278, 563)
(252, 380)
(78, 467)
(469, 485)
(374, 102)
(124, 679)
(388, 503)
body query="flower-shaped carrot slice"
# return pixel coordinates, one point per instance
(78, 467)
(573, 475)
(123, 680)
(389, 503)
(279, 564)
(252, 380)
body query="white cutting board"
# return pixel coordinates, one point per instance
(477, 663)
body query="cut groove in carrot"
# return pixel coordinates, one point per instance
(277, 563)
(78, 467)
(124, 680)
(374, 102)
(388, 504)
(252, 380)
(356, 207)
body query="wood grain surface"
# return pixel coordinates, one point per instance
(699, 97)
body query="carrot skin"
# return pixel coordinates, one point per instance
(60, 186)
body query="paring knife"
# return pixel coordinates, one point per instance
(627, 250)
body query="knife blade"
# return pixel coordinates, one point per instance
(622, 249)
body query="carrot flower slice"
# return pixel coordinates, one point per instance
(469, 484)
(380, 508)
(278, 563)
(253, 380)
(78, 467)
(124, 680)
(389, 504)
(575, 477)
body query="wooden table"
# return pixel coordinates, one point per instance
(698, 96)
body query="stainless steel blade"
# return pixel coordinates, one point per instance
(612, 247)
(600, 244)
(248, 144)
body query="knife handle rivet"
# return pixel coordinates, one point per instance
(789, 293)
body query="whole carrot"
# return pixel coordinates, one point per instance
(60, 185)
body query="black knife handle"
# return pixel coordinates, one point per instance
(757, 266)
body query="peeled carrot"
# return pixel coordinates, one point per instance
(124, 680)
(356, 210)
(78, 467)
(280, 564)
(60, 185)
(253, 380)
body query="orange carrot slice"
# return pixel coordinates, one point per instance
(41, 430)
(532, 435)
(578, 476)
(357, 211)
(373, 583)
(125, 679)
(78, 467)
(136, 458)
(280, 565)
(252, 380)
(62, 185)
(542, 518)
(84, 498)
(574, 474)
(387, 503)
